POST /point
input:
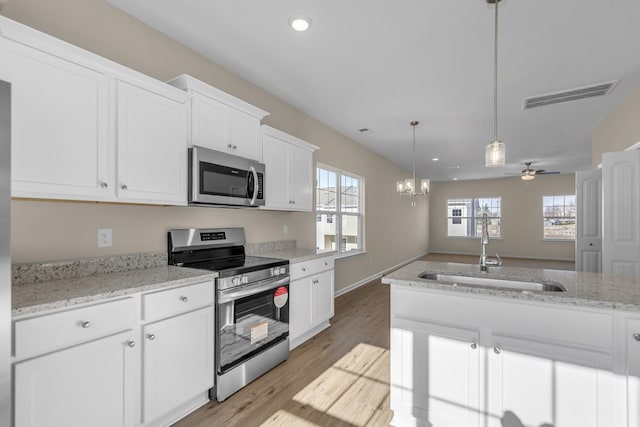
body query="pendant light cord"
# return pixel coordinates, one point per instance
(414, 156)
(495, 75)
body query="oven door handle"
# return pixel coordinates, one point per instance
(247, 290)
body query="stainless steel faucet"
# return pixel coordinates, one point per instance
(484, 261)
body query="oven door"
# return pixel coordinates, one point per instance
(250, 319)
(219, 178)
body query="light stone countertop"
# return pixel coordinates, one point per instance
(298, 254)
(590, 290)
(30, 298)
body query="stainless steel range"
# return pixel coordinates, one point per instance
(252, 303)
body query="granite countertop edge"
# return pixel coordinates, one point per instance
(39, 297)
(622, 297)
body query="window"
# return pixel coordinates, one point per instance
(339, 210)
(464, 216)
(559, 215)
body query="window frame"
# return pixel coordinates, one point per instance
(473, 217)
(564, 207)
(337, 214)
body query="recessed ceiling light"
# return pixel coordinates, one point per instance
(435, 159)
(455, 179)
(301, 23)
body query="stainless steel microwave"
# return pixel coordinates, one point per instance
(224, 180)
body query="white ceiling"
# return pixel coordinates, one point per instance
(379, 64)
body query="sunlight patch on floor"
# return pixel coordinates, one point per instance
(353, 389)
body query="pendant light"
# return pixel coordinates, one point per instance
(495, 151)
(408, 186)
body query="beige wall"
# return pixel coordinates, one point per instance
(619, 130)
(46, 230)
(521, 216)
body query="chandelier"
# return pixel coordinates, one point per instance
(408, 186)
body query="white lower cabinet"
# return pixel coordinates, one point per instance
(91, 384)
(177, 361)
(466, 361)
(633, 371)
(436, 374)
(542, 384)
(311, 306)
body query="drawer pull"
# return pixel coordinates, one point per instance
(131, 344)
(184, 299)
(636, 337)
(85, 325)
(474, 345)
(304, 269)
(124, 187)
(151, 337)
(497, 350)
(326, 263)
(103, 184)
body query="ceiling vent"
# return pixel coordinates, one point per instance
(599, 89)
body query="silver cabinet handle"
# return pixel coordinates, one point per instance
(229, 146)
(304, 269)
(151, 337)
(474, 345)
(636, 337)
(497, 350)
(184, 299)
(235, 146)
(86, 324)
(326, 263)
(124, 187)
(103, 184)
(131, 344)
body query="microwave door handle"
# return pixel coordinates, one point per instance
(255, 184)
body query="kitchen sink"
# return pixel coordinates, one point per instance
(518, 285)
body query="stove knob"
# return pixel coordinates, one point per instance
(245, 280)
(274, 272)
(235, 281)
(283, 270)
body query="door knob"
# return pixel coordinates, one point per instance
(131, 344)
(636, 337)
(497, 350)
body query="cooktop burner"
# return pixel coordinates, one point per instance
(215, 249)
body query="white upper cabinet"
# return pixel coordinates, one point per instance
(152, 144)
(86, 128)
(60, 140)
(289, 171)
(220, 121)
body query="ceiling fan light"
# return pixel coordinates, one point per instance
(527, 177)
(494, 154)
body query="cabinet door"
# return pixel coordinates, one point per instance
(621, 213)
(210, 123)
(633, 372)
(178, 361)
(542, 384)
(301, 178)
(276, 160)
(435, 372)
(92, 384)
(245, 135)
(300, 316)
(59, 128)
(322, 297)
(152, 146)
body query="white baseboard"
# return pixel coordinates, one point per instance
(374, 277)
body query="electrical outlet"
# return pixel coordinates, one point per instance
(105, 238)
(285, 229)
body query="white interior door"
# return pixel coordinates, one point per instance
(589, 221)
(621, 213)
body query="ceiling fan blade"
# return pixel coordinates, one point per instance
(549, 173)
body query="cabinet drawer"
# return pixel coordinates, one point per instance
(50, 332)
(307, 268)
(159, 305)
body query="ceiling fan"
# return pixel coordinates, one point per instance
(529, 174)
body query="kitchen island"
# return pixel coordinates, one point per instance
(465, 355)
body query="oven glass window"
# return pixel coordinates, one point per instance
(258, 321)
(220, 180)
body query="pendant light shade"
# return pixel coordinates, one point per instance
(495, 153)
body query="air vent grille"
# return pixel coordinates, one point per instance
(569, 95)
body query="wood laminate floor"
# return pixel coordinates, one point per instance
(338, 378)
